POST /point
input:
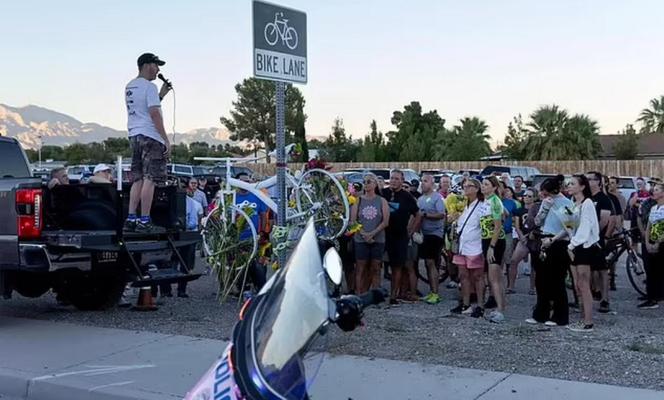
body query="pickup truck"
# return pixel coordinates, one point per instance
(69, 239)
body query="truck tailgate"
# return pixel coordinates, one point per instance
(9, 253)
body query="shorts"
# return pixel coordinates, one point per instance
(498, 251)
(397, 250)
(369, 251)
(599, 263)
(510, 243)
(431, 247)
(589, 256)
(147, 159)
(469, 262)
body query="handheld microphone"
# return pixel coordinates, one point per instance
(166, 81)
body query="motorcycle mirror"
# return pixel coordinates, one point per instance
(333, 266)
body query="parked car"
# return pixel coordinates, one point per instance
(527, 173)
(471, 172)
(408, 174)
(78, 173)
(437, 172)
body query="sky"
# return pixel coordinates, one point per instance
(366, 59)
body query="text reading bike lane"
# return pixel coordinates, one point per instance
(279, 65)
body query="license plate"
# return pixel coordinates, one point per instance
(107, 256)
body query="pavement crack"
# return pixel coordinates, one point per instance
(490, 388)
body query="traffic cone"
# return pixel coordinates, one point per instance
(145, 302)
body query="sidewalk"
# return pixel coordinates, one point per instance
(53, 361)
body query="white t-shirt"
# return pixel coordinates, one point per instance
(470, 242)
(140, 95)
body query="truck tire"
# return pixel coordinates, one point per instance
(92, 291)
(32, 284)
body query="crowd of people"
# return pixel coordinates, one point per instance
(563, 227)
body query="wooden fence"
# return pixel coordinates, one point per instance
(650, 168)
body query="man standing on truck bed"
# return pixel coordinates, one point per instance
(149, 143)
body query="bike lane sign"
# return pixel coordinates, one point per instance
(280, 43)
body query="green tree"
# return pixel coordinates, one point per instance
(51, 152)
(417, 134)
(469, 141)
(180, 153)
(198, 149)
(253, 113)
(339, 147)
(627, 146)
(652, 117)
(300, 135)
(372, 148)
(551, 134)
(117, 147)
(76, 153)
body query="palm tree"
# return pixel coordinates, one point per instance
(468, 141)
(552, 134)
(652, 118)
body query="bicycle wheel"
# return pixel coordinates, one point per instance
(319, 194)
(230, 244)
(271, 34)
(291, 38)
(636, 272)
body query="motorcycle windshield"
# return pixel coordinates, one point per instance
(289, 321)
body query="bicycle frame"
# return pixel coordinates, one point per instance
(231, 183)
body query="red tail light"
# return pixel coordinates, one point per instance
(29, 210)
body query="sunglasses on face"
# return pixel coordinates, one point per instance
(528, 195)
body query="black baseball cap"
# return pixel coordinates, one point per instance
(149, 58)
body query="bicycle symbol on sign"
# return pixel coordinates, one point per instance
(280, 29)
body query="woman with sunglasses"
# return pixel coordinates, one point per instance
(372, 211)
(654, 245)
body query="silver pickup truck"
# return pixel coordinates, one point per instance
(70, 239)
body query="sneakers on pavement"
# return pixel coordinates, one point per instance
(452, 285)
(532, 321)
(467, 310)
(550, 323)
(477, 312)
(581, 327)
(432, 298)
(460, 309)
(648, 305)
(604, 307)
(491, 302)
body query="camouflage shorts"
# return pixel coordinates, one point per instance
(148, 160)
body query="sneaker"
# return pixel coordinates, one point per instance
(648, 305)
(550, 323)
(452, 285)
(129, 226)
(467, 310)
(477, 312)
(604, 307)
(491, 302)
(394, 302)
(581, 327)
(496, 317)
(532, 321)
(123, 302)
(460, 309)
(432, 298)
(148, 227)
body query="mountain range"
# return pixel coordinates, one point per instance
(29, 123)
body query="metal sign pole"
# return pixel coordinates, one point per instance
(280, 88)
